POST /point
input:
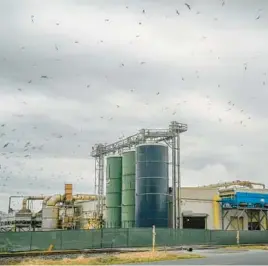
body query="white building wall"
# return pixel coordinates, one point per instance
(198, 201)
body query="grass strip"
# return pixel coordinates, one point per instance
(125, 258)
(247, 247)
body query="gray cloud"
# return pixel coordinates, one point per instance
(195, 60)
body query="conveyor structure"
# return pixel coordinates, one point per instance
(244, 201)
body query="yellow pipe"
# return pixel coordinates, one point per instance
(216, 212)
(46, 200)
(84, 197)
(54, 200)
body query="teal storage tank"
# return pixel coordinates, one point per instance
(113, 191)
(151, 185)
(128, 189)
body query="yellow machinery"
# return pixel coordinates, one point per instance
(94, 223)
(68, 213)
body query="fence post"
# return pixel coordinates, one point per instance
(101, 244)
(237, 237)
(127, 237)
(153, 236)
(61, 240)
(31, 240)
(175, 235)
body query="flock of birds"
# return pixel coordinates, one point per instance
(8, 147)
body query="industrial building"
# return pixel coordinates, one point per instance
(201, 209)
(212, 208)
(138, 193)
(59, 212)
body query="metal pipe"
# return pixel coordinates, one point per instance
(9, 204)
(25, 199)
(85, 197)
(54, 200)
(173, 150)
(46, 199)
(178, 189)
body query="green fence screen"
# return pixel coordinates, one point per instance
(123, 238)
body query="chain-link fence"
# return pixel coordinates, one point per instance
(122, 238)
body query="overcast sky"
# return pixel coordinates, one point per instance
(66, 65)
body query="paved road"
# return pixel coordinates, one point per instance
(222, 257)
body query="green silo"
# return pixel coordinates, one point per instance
(113, 191)
(128, 189)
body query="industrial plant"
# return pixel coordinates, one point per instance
(132, 189)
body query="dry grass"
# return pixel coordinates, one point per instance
(124, 258)
(260, 247)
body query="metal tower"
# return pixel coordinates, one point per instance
(143, 136)
(176, 128)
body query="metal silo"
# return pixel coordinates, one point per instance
(50, 218)
(151, 185)
(128, 189)
(113, 191)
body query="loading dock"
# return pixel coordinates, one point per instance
(194, 222)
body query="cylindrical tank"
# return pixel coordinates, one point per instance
(50, 218)
(151, 185)
(128, 189)
(113, 191)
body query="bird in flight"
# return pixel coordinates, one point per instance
(189, 7)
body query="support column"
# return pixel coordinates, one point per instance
(178, 189)
(101, 184)
(174, 187)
